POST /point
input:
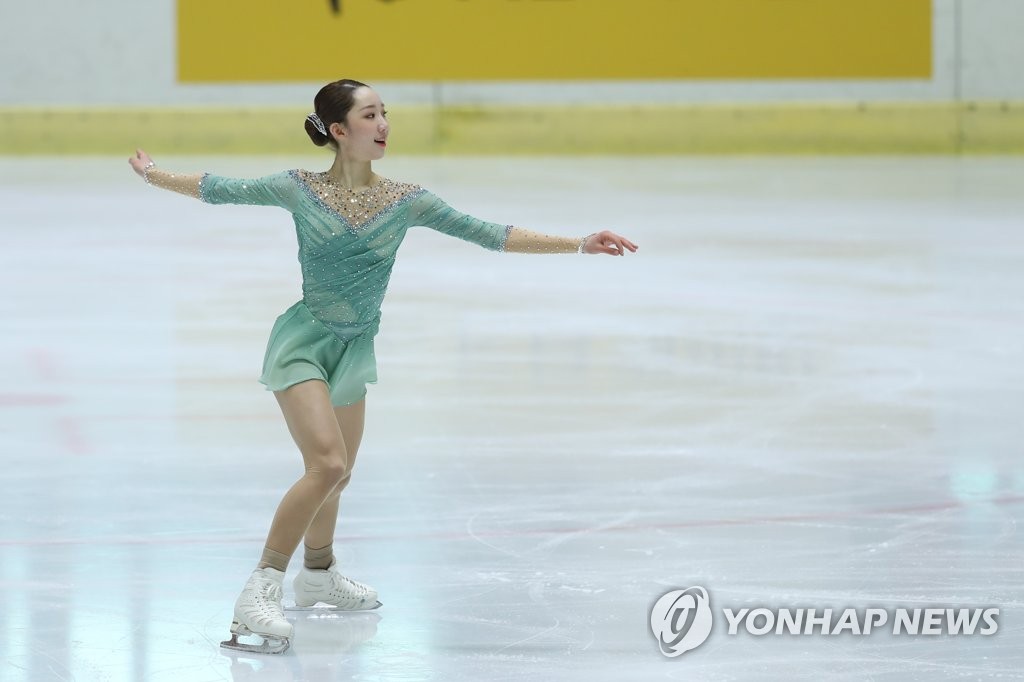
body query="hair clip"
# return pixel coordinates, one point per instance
(317, 123)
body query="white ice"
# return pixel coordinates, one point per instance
(806, 389)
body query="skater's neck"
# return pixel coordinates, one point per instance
(352, 174)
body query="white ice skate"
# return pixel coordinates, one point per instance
(333, 589)
(258, 612)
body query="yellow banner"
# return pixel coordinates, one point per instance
(323, 40)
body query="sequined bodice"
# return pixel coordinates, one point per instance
(348, 238)
(357, 208)
(347, 244)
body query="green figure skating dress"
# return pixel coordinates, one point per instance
(347, 245)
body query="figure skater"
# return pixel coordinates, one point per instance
(319, 358)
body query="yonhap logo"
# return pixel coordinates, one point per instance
(681, 620)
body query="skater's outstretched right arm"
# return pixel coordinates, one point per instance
(273, 190)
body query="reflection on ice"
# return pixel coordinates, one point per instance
(804, 391)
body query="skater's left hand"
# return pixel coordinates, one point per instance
(608, 242)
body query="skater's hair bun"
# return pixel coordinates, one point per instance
(331, 105)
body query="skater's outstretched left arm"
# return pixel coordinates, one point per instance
(431, 211)
(520, 240)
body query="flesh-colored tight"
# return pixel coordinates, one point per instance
(328, 438)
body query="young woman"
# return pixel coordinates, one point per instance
(319, 358)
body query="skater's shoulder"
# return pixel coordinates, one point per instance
(400, 187)
(304, 176)
(393, 191)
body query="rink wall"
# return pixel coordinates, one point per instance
(102, 78)
(882, 128)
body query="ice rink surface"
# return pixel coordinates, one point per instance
(805, 390)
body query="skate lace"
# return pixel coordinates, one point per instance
(267, 601)
(348, 588)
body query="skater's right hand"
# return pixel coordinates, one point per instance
(139, 162)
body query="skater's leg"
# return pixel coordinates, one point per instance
(310, 417)
(311, 420)
(319, 580)
(320, 534)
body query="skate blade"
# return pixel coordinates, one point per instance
(269, 645)
(321, 607)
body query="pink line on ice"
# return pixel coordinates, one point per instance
(697, 523)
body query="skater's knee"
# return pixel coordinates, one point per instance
(330, 471)
(326, 458)
(343, 482)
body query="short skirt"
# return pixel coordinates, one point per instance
(303, 348)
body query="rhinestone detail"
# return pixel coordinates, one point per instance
(355, 208)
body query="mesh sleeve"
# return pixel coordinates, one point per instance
(528, 241)
(430, 211)
(272, 190)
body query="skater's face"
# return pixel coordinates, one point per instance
(365, 138)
